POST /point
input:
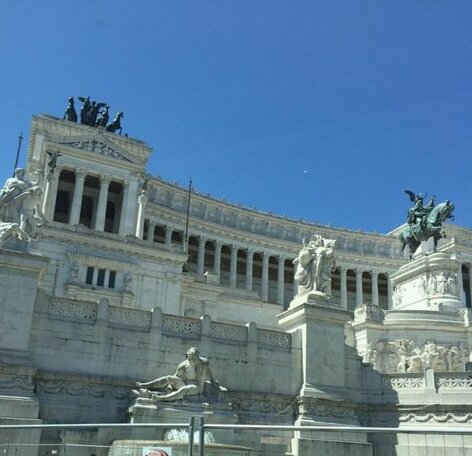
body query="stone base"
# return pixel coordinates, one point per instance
(311, 298)
(180, 412)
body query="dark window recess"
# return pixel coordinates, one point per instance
(89, 277)
(101, 278)
(111, 280)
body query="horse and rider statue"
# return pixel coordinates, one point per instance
(425, 221)
(93, 114)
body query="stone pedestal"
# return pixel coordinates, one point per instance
(430, 282)
(218, 442)
(327, 363)
(323, 349)
(20, 273)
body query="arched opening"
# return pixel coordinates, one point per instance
(257, 273)
(192, 253)
(159, 234)
(110, 217)
(466, 285)
(351, 289)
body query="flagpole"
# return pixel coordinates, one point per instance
(188, 215)
(20, 139)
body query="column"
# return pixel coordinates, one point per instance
(389, 292)
(50, 194)
(217, 261)
(359, 297)
(168, 236)
(265, 277)
(128, 209)
(102, 204)
(249, 264)
(77, 199)
(343, 278)
(233, 267)
(124, 209)
(201, 257)
(280, 280)
(150, 233)
(460, 284)
(375, 288)
(142, 200)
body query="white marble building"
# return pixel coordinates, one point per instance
(106, 294)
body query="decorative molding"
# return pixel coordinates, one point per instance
(368, 312)
(98, 147)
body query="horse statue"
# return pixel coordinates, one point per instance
(116, 124)
(412, 235)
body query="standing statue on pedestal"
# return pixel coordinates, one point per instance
(20, 207)
(424, 222)
(192, 377)
(313, 266)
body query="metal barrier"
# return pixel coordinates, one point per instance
(197, 425)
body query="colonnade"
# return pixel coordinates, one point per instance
(72, 183)
(269, 273)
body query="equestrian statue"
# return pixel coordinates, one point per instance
(425, 221)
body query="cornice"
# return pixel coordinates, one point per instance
(106, 241)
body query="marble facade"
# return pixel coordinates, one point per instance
(100, 298)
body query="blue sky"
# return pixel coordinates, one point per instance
(320, 110)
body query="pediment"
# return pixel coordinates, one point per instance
(96, 144)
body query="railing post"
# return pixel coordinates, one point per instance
(191, 427)
(201, 435)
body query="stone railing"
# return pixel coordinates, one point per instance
(403, 381)
(435, 381)
(75, 310)
(130, 318)
(169, 325)
(448, 380)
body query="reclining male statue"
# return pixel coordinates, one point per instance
(192, 377)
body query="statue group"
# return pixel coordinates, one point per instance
(20, 207)
(93, 114)
(425, 221)
(313, 266)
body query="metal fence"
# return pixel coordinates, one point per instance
(24, 439)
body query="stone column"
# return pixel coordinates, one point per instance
(389, 292)
(233, 273)
(217, 261)
(77, 198)
(168, 236)
(359, 297)
(280, 281)
(249, 265)
(150, 233)
(128, 210)
(460, 283)
(124, 209)
(265, 277)
(343, 278)
(50, 194)
(375, 288)
(102, 204)
(201, 257)
(142, 200)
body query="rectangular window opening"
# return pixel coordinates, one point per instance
(101, 278)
